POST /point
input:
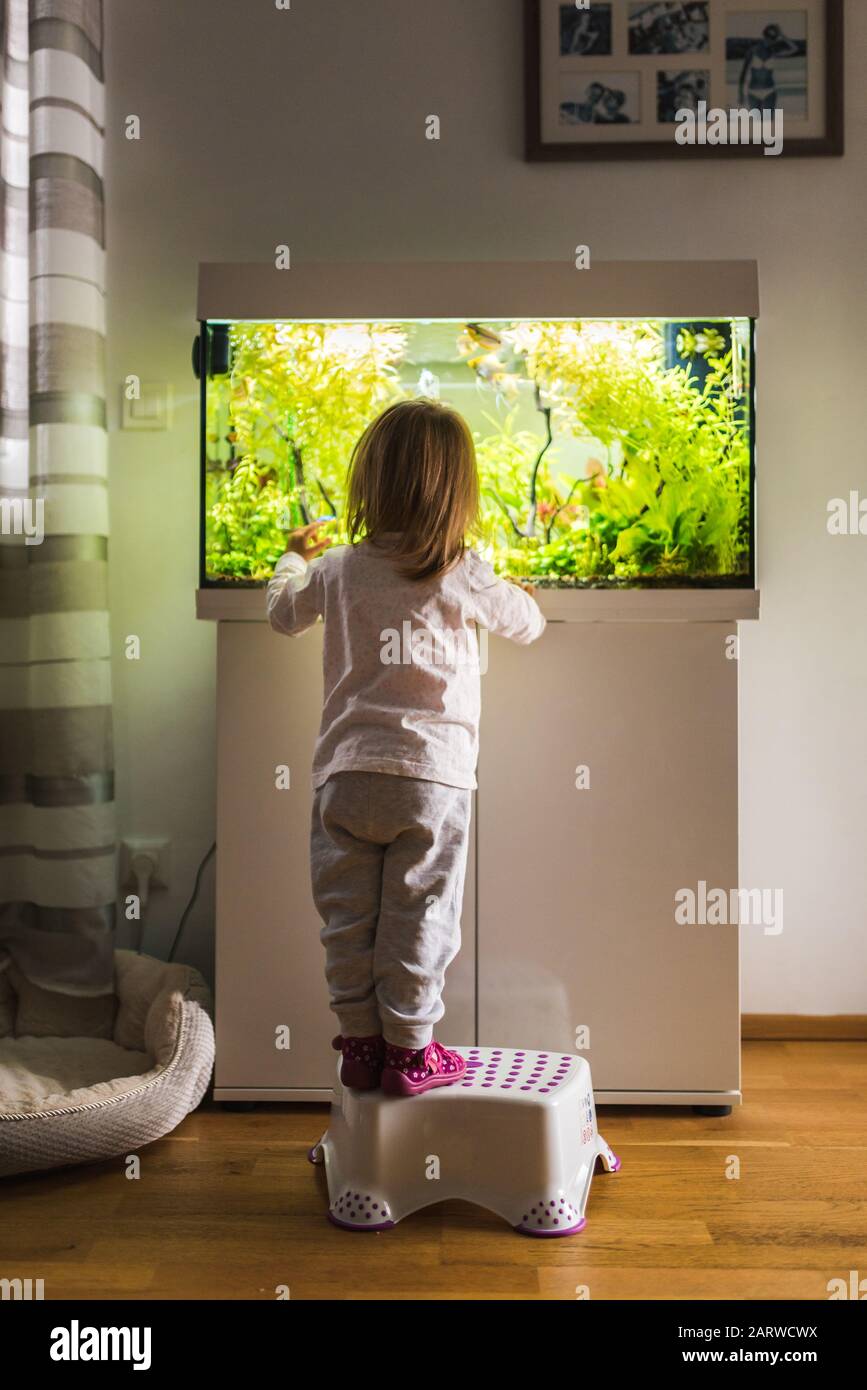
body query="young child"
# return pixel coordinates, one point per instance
(395, 760)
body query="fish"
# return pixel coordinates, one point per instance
(484, 336)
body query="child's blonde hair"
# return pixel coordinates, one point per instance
(413, 472)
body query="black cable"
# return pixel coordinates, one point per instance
(190, 905)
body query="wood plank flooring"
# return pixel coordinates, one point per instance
(228, 1207)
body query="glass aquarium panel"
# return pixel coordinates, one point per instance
(612, 453)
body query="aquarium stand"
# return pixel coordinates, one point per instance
(569, 932)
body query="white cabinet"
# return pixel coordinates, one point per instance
(573, 889)
(576, 885)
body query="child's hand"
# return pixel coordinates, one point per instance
(305, 542)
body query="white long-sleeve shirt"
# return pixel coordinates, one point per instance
(401, 657)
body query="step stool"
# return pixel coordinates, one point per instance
(518, 1136)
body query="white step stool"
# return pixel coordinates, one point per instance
(518, 1135)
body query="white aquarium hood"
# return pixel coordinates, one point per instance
(314, 291)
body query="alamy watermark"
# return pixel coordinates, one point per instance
(738, 126)
(714, 907)
(77, 1343)
(847, 516)
(854, 1287)
(23, 516)
(430, 646)
(23, 1290)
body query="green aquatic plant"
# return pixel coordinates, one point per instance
(298, 397)
(672, 500)
(600, 462)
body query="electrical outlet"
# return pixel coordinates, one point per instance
(155, 849)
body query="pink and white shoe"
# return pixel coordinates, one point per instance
(408, 1073)
(361, 1068)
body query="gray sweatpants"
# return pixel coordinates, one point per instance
(387, 859)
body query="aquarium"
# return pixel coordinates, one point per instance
(612, 452)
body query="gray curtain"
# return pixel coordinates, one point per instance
(57, 828)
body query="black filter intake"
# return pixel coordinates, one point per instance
(218, 350)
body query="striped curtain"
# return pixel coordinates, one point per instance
(57, 830)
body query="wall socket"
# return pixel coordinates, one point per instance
(155, 849)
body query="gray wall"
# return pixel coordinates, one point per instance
(262, 126)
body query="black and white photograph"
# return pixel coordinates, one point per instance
(636, 63)
(669, 26)
(585, 33)
(608, 98)
(680, 90)
(766, 60)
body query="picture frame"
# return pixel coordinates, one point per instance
(607, 82)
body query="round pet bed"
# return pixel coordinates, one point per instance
(85, 1079)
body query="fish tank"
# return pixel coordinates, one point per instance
(613, 452)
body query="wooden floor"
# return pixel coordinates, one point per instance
(228, 1207)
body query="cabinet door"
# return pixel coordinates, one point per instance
(576, 887)
(270, 962)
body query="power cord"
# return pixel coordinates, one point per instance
(191, 904)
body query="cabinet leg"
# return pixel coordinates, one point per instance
(715, 1110)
